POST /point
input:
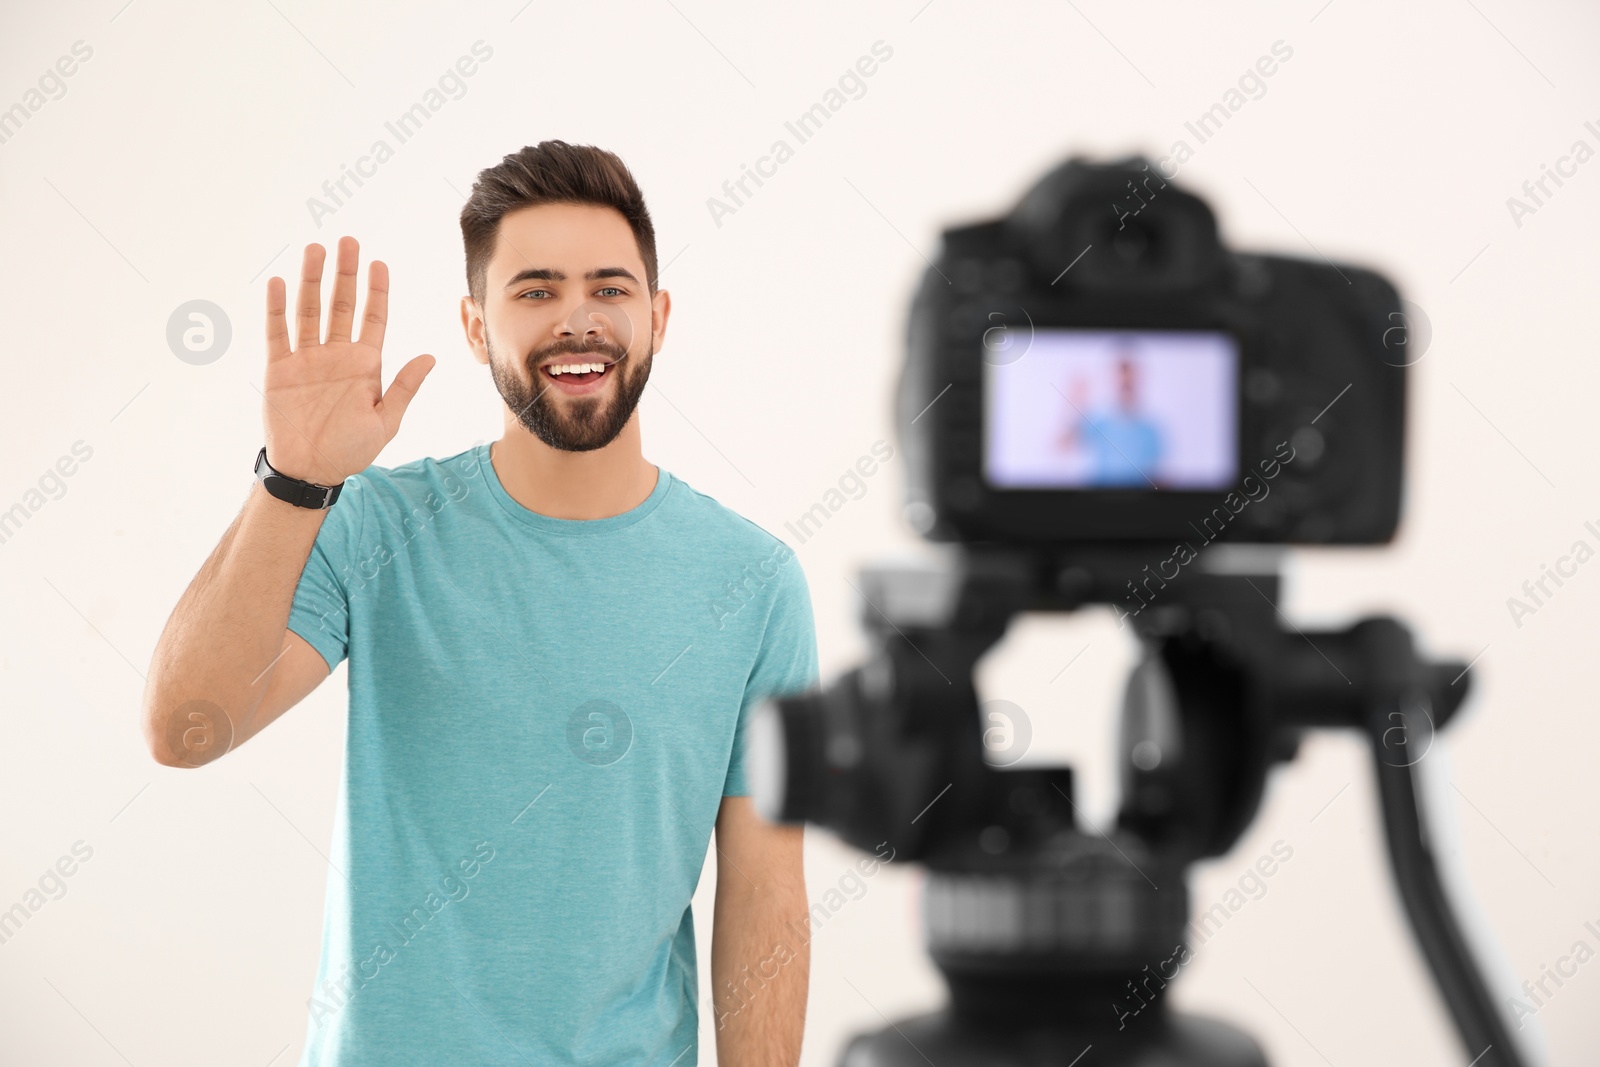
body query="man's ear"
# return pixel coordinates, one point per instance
(660, 310)
(473, 326)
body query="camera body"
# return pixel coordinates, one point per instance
(1097, 369)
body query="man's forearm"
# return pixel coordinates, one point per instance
(760, 971)
(229, 624)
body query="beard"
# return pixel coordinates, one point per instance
(573, 424)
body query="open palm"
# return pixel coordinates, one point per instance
(326, 413)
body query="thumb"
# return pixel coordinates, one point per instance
(400, 392)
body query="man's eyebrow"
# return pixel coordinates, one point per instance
(550, 274)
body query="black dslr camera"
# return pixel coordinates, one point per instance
(1097, 368)
(1095, 391)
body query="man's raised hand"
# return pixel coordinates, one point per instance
(326, 413)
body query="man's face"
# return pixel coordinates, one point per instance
(566, 287)
(1127, 384)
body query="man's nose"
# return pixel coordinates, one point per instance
(586, 321)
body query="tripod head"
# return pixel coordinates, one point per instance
(1036, 921)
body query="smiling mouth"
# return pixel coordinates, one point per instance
(571, 375)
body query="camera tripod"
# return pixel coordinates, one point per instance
(1055, 939)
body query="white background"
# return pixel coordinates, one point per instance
(177, 167)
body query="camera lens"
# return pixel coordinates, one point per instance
(767, 760)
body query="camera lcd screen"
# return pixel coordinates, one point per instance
(1114, 409)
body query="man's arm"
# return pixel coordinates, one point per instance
(226, 665)
(760, 955)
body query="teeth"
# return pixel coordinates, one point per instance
(577, 368)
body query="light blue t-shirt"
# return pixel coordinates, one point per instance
(544, 717)
(1127, 448)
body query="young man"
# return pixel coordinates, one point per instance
(554, 646)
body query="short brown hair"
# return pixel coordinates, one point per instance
(547, 173)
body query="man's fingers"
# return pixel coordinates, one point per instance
(342, 310)
(398, 396)
(277, 325)
(308, 315)
(377, 314)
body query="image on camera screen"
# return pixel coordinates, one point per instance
(1114, 409)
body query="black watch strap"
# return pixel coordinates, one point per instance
(301, 494)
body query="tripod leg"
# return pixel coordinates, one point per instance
(1482, 1027)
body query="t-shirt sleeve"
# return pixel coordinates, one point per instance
(321, 609)
(785, 665)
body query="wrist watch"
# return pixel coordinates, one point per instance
(300, 493)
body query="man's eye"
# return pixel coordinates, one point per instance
(532, 291)
(613, 289)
